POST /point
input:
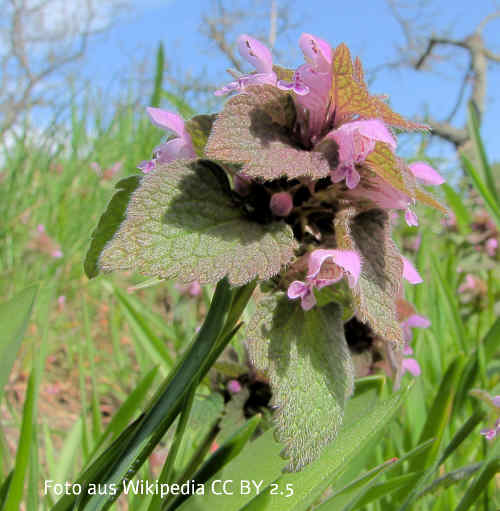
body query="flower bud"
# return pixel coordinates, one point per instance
(281, 204)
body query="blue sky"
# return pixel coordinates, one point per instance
(367, 27)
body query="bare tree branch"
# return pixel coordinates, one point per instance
(475, 76)
(42, 40)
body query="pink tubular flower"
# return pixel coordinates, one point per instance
(470, 284)
(259, 56)
(178, 148)
(386, 196)
(413, 321)
(356, 140)
(410, 273)
(325, 267)
(311, 83)
(425, 173)
(494, 404)
(491, 246)
(147, 166)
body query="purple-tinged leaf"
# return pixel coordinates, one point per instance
(375, 294)
(181, 223)
(310, 370)
(255, 129)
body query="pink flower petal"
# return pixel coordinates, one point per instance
(348, 260)
(147, 166)
(496, 401)
(410, 273)
(256, 53)
(167, 120)
(297, 289)
(418, 321)
(412, 366)
(317, 52)
(411, 218)
(308, 301)
(175, 149)
(372, 129)
(426, 173)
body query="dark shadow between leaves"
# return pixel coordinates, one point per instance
(205, 202)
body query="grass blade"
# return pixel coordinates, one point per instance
(14, 317)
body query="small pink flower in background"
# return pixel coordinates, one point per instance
(356, 140)
(469, 284)
(325, 267)
(281, 204)
(193, 289)
(109, 173)
(234, 386)
(259, 56)
(410, 273)
(449, 220)
(493, 402)
(61, 302)
(491, 246)
(42, 242)
(410, 364)
(413, 321)
(180, 148)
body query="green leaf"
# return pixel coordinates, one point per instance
(451, 478)
(309, 484)
(310, 371)
(128, 452)
(160, 65)
(461, 212)
(490, 200)
(222, 456)
(490, 469)
(128, 409)
(416, 489)
(199, 127)
(379, 285)
(473, 126)
(152, 345)
(14, 317)
(439, 413)
(181, 224)
(16, 487)
(255, 128)
(109, 223)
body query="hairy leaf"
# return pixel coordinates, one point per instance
(181, 224)
(109, 223)
(389, 167)
(379, 284)
(255, 128)
(429, 200)
(351, 97)
(310, 370)
(199, 128)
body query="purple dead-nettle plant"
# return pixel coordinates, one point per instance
(293, 183)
